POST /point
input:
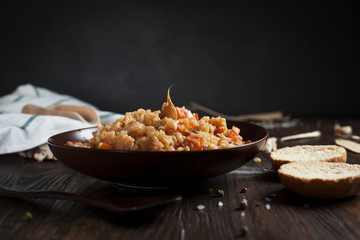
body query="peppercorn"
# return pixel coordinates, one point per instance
(243, 204)
(243, 231)
(221, 192)
(244, 190)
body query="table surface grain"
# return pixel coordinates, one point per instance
(272, 212)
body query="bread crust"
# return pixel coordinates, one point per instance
(340, 154)
(317, 187)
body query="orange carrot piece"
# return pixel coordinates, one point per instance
(219, 128)
(196, 116)
(236, 130)
(234, 133)
(105, 146)
(194, 143)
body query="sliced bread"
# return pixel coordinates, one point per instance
(325, 180)
(304, 153)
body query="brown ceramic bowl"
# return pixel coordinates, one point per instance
(145, 168)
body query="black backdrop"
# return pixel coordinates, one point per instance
(239, 58)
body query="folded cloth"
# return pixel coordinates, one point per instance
(20, 131)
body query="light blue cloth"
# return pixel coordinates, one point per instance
(20, 132)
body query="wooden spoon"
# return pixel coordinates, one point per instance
(128, 205)
(82, 113)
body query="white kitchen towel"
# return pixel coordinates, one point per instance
(20, 132)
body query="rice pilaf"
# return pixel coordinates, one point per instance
(145, 130)
(171, 129)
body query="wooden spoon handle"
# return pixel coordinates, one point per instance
(84, 114)
(38, 194)
(88, 113)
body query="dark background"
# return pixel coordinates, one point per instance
(240, 58)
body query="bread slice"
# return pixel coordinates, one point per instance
(325, 180)
(304, 153)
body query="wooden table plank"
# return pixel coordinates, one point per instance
(289, 216)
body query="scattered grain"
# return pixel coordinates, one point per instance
(27, 217)
(201, 207)
(257, 160)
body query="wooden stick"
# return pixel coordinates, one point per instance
(256, 116)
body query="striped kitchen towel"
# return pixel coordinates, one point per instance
(20, 132)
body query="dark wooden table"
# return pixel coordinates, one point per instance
(272, 211)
